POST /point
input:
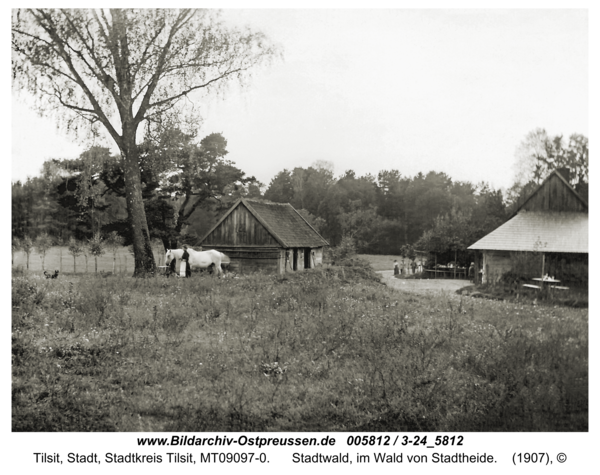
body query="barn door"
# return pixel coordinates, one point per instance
(295, 260)
(307, 258)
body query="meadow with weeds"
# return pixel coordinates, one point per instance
(328, 349)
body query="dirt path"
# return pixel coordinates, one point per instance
(422, 286)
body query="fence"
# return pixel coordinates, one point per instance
(123, 264)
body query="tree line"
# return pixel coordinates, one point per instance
(187, 185)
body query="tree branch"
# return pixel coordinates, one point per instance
(179, 23)
(50, 29)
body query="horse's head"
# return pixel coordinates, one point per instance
(169, 256)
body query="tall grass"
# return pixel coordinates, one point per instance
(322, 350)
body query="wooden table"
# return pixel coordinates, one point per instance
(547, 281)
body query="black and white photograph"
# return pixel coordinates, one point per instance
(300, 238)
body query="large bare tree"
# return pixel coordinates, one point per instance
(126, 69)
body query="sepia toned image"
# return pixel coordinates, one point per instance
(300, 220)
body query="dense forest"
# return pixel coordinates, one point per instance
(189, 184)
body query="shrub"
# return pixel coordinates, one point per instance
(96, 248)
(345, 250)
(76, 248)
(43, 243)
(27, 247)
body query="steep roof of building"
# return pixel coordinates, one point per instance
(539, 231)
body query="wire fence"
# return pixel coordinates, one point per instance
(59, 258)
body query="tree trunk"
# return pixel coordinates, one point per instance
(142, 248)
(74, 266)
(168, 243)
(96, 265)
(181, 215)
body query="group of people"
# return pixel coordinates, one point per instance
(399, 270)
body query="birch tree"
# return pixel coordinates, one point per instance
(126, 71)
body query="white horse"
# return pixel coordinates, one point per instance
(199, 259)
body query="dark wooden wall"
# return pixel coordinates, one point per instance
(554, 196)
(240, 228)
(253, 259)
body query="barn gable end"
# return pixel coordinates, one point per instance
(239, 227)
(554, 194)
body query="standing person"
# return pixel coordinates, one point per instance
(185, 261)
(396, 268)
(414, 267)
(472, 271)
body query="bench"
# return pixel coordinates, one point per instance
(532, 286)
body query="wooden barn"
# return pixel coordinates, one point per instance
(548, 234)
(265, 236)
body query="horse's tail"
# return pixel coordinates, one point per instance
(225, 259)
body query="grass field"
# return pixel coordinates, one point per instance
(380, 262)
(329, 349)
(123, 261)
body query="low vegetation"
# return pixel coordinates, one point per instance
(576, 297)
(323, 350)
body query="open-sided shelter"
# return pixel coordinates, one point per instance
(260, 235)
(548, 234)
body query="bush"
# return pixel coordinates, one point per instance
(345, 250)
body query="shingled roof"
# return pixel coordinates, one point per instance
(539, 231)
(282, 221)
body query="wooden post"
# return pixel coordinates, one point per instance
(435, 268)
(543, 265)
(454, 264)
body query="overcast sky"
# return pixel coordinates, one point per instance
(368, 90)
